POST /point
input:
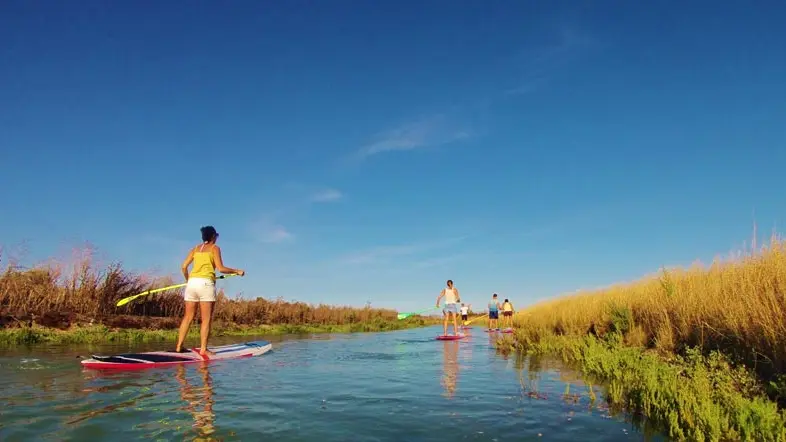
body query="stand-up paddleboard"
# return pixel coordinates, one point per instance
(134, 361)
(465, 327)
(492, 330)
(507, 330)
(451, 337)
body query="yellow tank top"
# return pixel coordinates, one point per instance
(507, 307)
(204, 267)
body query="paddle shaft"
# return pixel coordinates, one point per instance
(125, 301)
(475, 319)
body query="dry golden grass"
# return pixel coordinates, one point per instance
(737, 306)
(84, 289)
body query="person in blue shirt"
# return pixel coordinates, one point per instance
(494, 312)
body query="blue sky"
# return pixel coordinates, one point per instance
(368, 151)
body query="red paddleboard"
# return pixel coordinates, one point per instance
(451, 337)
(507, 330)
(493, 330)
(465, 327)
(135, 361)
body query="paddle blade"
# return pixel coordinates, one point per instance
(125, 301)
(406, 315)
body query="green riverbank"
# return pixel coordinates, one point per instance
(95, 334)
(691, 397)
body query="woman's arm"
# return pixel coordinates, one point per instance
(441, 294)
(220, 263)
(186, 263)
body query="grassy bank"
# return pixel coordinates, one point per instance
(56, 302)
(95, 334)
(690, 397)
(737, 307)
(700, 350)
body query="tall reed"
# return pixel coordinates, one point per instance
(736, 306)
(89, 291)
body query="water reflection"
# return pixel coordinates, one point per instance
(580, 392)
(450, 367)
(465, 352)
(375, 386)
(199, 399)
(493, 336)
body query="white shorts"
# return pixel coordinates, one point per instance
(200, 290)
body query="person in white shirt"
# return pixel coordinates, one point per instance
(452, 298)
(464, 312)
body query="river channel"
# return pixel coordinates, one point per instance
(393, 386)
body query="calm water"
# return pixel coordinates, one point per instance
(393, 386)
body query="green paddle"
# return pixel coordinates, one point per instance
(407, 315)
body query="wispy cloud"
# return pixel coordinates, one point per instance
(534, 67)
(441, 261)
(429, 131)
(377, 253)
(266, 230)
(327, 196)
(382, 253)
(539, 64)
(269, 228)
(277, 234)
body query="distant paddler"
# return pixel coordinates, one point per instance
(464, 312)
(493, 308)
(452, 298)
(201, 286)
(507, 313)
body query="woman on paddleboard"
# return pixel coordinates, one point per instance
(452, 298)
(507, 313)
(201, 286)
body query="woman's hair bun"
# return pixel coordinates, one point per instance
(208, 233)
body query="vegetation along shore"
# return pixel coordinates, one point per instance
(55, 303)
(701, 352)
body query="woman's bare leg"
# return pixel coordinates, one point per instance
(206, 309)
(185, 324)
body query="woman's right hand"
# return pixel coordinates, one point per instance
(241, 272)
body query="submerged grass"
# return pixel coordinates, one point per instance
(691, 397)
(702, 350)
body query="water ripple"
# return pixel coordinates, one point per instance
(392, 386)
